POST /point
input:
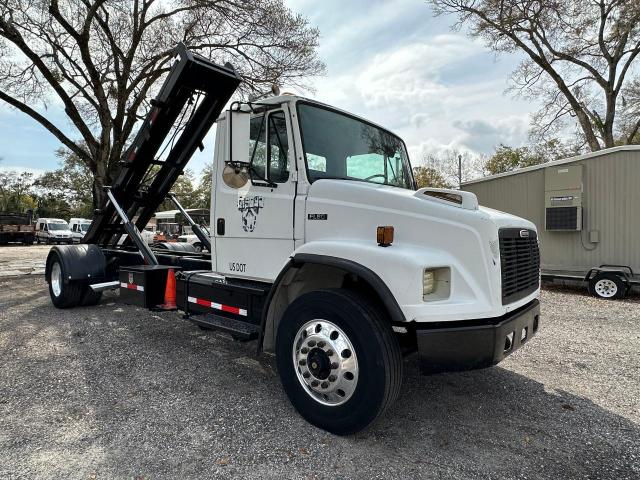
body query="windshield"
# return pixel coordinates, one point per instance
(84, 227)
(339, 146)
(58, 226)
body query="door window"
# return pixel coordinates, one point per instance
(269, 148)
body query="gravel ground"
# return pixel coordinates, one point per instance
(117, 392)
(23, 260)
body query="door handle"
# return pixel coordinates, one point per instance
(220, 226)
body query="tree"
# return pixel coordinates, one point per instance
(70, 184)
(205, 186)
(442, 167)
(579, 59)
(506, 159)
(102, 59)
(15, 191)
(429, 177)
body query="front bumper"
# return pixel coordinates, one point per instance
(469, 345)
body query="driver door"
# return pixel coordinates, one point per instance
(258, 234)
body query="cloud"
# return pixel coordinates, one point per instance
(482, 135)
(37, 172)
(397, 65)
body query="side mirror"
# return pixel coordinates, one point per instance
(235, 173)
(237, 148)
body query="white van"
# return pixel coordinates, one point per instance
(53, 230)
(79, 227)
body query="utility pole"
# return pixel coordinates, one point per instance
(459, 171)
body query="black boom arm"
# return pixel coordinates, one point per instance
(194, 84)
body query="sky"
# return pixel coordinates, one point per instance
(390, 61)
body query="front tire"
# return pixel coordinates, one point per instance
(339, 362)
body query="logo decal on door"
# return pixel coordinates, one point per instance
(249, 208)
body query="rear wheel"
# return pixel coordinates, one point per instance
(339, 362)
(608, 286)
(63, 295)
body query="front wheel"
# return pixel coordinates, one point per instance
(339, 362)
(197, 247)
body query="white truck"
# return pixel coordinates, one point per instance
(322, 249)
(79, 227)
(53, 230)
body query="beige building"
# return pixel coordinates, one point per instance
(587, 210)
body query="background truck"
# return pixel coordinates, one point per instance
(53, 230)
(16, 228)
(78, 227)
(321, 247)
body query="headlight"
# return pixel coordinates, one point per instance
(436, 284)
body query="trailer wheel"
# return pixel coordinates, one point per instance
(339, 362)
(608, 286)
(63, 295)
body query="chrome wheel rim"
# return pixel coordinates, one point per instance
(56, 279)
(325, 362)
(606, 288)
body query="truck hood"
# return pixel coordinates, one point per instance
(413, 203)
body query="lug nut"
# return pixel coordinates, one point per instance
(332, 378)
(306, 374)
(324, 384)
(334, 365)
(312, 343)
(314, 383)
(330, 352)
(303, 362)
(321, 344)
(304, 350)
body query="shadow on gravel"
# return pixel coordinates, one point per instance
(499, 421)
(125, 392)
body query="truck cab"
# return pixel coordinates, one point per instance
(316, 180)
(321, 249)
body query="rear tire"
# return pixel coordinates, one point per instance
(608, 286)
(63, 295)
(348, 343)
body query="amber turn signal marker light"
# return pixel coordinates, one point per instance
(385, 236)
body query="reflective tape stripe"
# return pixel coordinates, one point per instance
(132, 286)
(218, 306)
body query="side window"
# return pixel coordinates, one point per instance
(317, 162)
(257, 147)
(278, 148)
(269, 147)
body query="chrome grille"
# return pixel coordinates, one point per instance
(519, 262)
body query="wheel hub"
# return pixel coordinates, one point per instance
(319, 363)
(56, 279)
(325, 362)
(606, 288)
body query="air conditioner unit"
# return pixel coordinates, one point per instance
(563, 198)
